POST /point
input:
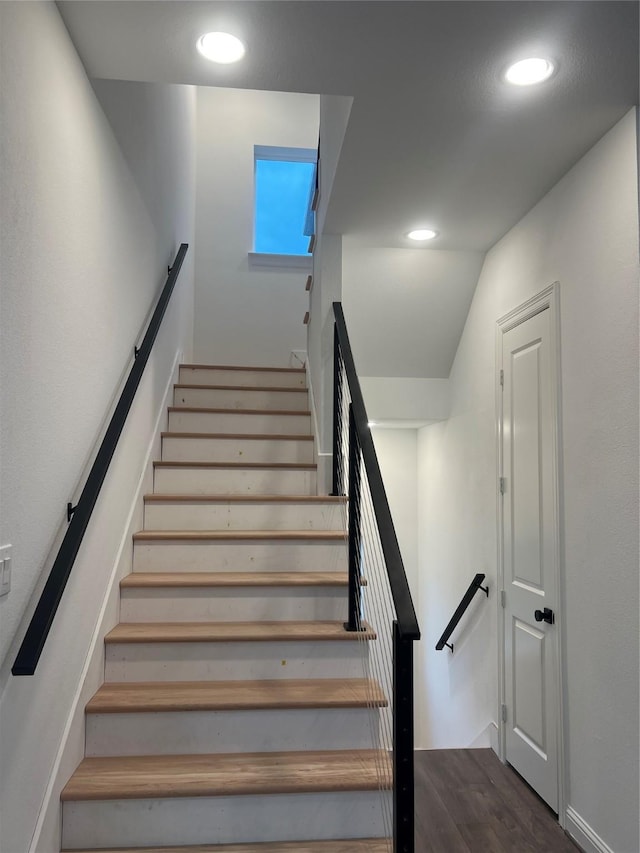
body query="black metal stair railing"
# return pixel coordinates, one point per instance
(379, 596)
(78, 516)
(474, 586)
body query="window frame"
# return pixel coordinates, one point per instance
(289, 155)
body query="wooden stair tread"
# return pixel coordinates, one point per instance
(241, 368)
(248, 436)
(150, 580)
(138, 697)
(347, 845)
(244, 499)
(220, 632)
(253, 535)
(219, 411)
(287, 388)
(238, 466)
(158, 776)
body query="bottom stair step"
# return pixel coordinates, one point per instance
(247, 819)
(356, 845)
(230, 799)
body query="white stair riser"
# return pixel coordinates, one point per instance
(202, 732)
(233, 661)
(240, 555)
(236, 450)
(228, 481)
(228, 398)
(233, 605)
(224, 820)
(259, 378)
(272, 515)
(239, 423)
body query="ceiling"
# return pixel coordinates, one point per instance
(435, 136)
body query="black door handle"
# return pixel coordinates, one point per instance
(545, 615)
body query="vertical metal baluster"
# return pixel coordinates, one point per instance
(337, 416)
(355, 527)
(403, 787)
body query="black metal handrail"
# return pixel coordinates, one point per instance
(78, 516)
(356, 473)
(407, 621)
(474, 586)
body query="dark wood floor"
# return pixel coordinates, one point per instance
(468, 802)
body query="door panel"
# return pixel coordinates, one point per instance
(526, 563)
(528, 685)
(529, 548)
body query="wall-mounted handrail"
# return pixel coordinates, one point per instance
(474, 586)
(406, 615)
(79, 516)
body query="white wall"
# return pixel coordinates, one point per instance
(390, 297)
(327, 289)
(403, 398)
(82, 260)
(155, 128)
(327, 285)
(334, 118)
(584, 234)
(397, 452)
(244, 315)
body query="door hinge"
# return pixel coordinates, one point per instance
(503, 485)
(503, 713)
(502, 378)
(503, 598)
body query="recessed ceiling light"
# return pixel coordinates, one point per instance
(221, 47)
(372, 424)
(422, 234)
(528, 72)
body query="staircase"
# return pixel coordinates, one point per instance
(234, 714)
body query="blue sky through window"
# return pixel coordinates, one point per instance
(282, 196)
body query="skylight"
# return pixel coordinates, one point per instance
(284, 180)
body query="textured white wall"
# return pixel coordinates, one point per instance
(155, 128)
(82, 260)
(244, 315)
(584, 234)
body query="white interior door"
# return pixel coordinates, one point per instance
(529, 525)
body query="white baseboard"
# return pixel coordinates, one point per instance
(494, 738)
(312, 406)
(322, 480)
(47, 834)
(488, 738)
(583, 834)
